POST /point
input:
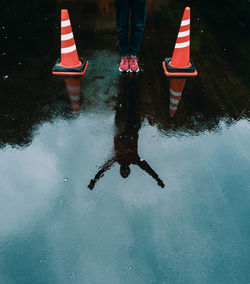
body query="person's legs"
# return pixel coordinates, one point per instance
(122, 8)
(138, 15)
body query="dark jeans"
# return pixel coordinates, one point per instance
(138, 14)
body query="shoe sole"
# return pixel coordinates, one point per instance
(134, 71)
(123, 71)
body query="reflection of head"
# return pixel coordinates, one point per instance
(124, 170)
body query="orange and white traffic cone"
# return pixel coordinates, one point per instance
(180, 65)
(176, 89)
(69, 64)
(74, 92)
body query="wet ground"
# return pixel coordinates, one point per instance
(180, 212)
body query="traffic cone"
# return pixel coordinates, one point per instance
(176, 89)
(180, 65)
(74, 92)
(69, 64)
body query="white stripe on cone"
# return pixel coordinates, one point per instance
(67, 36)
(74, 98)
(182, 44)
(185, 23)
(173, 108)
(177, 94)
(68, 49)
(183, 34)
(73, 89)
(174, 102)
(65, 23)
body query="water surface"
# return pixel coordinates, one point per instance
(181, 214)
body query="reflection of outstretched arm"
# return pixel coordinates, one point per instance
(146, 167)
(101, 172)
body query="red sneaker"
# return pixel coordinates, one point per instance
(133, 63)
(124, 65)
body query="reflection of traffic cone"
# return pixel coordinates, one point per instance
(74, 90)
(70, 63)
(176, 89)
(180, 64)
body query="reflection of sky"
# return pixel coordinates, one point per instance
(196, 230)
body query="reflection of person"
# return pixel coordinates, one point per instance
(123, 8)
(128, 123)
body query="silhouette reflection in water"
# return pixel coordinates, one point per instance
(128, 124)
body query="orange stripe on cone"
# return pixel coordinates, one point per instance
(74, 91)
(176, 89)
